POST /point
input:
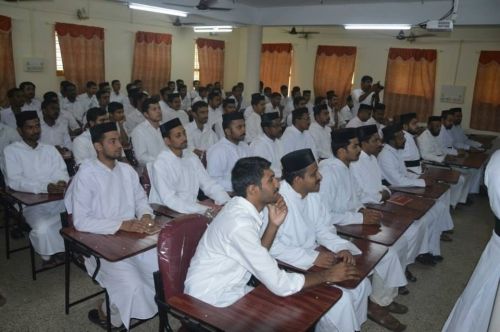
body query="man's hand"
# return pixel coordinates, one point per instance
(385, 195)
(371, 217)
(346, 257)
(342, 272)
(135, 226)
(277, 211)
(325, 259)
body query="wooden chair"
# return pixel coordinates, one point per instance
(176, 246)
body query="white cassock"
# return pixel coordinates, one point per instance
(200, 139)
(8, 117)
(31, 170)
(33, 105)
(331, 113)
(355, 94)
(473, 310)
(8, 135)
(186, 102)
(305, 228)
(271, 150)
(380, 127)
(87, 102)
(147, 142)
(75, 110)
(293, 140)
(229, 253)
(83, 148)
(322, 139)
(271, 109)
(253, 128)
(340, 196)
(118, 98)
(215, 121)
(355, 122)
(438, 218)
(170, 114)
(175, 183)
(221, 158)
(411, 155)
(430, 149)
(287, 112)
(57, 134)
(134, 118)
(345, 115)
(100, 199)
(461, 141)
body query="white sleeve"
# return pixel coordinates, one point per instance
(141, 148)
(425, 148)
(209, 186)
(15, 178)
(80, 150)
(142, 206)
(391, 172)
(216, 164)
(67, 141)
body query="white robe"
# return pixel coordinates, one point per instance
(8, 135)
(446, 141)
(215, 121)
(461, 141)
(175, 183)
(8, 117)
(170, 114)
(355, 94)
(57, 134)
(411, 153)
(83, 148)
(305, 228)
(345, 115)
(322, 139)
(271, 109)
(355, 122)
(31, 170)
(134, 118)
(229, 253)
(222, 157)
(271, 150)
(34, 105)
(200, 139)
(100, 199)
(87, 102)
(293, 140)
(75, 110)
(118, 98)
(253, 127)
(147, 142)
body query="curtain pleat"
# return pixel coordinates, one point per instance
(275, 64)
(211, 60)
(8, 77)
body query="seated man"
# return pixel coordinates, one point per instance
(104, 197)
(363, 117)
(8, 135)
(460, 140)
(394, 171)
(178, 174)
(254, 118)
(72, 110)
(54, 130)
(31, 103)
(34, 167)
(16, 102)
(132, 109)
(200, 136)
(235, 245)
(379, 117)
(320, 131)
(222, 156)
(173, 109)
(82, 145)
(273, 106)
(268, 145)
(215, 114)
(146, 137)
(297, 136)
(116, 114)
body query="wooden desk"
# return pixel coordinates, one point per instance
(31, 199)
(162, 210)
(485, 140)
(434, 192)
(392, 226)
(442, 174)
(471, 160)
(415, 209)
(115, 247)
(261, 310)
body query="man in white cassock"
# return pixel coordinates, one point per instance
(474, 309)
(34, 167)
(173, 109)
(104, 197)
(72, 109)
(268, 145)
(254, 118)
(54, 129)
(178, 174)
(132, 109)
(8, 135)
(363, 118)
(273, 106)
(31, 103)
(88, 99)
(438, 218)
(430, 149)
(340, 196)
(16, 102)
(321, 131)
(367, 94)
(236, 245)
(116, 95)
(298, 102)
(297, 136)
(82, 144)
(222, 156)
(378, 115)
(200, 135)
(307, 227)
(146, 137)
(460, 140)
(215, 111)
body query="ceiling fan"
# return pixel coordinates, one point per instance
(411, 37)
(202, 5)
(301, 34)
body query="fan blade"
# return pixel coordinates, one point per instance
(308, 32)
(176, 4)
(219, 8)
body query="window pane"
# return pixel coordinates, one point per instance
(59, 62)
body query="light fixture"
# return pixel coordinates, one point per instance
(377, 26)
(155, 9)
(214, 28)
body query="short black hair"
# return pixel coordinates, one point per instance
(99, 93)
(25, 84)
(275, 95)
(102, 85)
(147, 102)
(172, 96)
(90, 84)
(47, 102)
(297, 100)
(115, 81)
(318, 108)
(94, 113)
(366, 78)
(114, 106)
(164, 90)
(246, 172)
(228, 101)
(283, 87)
(135, 95)
(50, 95)
(199, 104)
(212, 95)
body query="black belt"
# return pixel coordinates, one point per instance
(497, 226)
(412, 163)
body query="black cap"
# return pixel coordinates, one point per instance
(445, 113)
(24, 116)
(434, 118)
(226, 118)
(379, 106)
(297, 160)
(344, 135)
(391, 130)
(407, 117)
(456, 110)
(298, 112)
(318, 108)
(267, 118)
(256, 97)
(365, 107)
(97, 131)
(365, 132)
(169, 125)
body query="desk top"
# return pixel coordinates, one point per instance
(392, 226)
(415, 209)
(32, 199)
(485, 140)
(114, 247)
(471, 160)
(261, 310)
(442, 174)
(434, 192)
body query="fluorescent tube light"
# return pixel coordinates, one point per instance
(377, 26)
(215, 28)
(155, 9)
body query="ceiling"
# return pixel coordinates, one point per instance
(297, 3)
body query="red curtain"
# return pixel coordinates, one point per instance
(211, 59)
(7, 77)
(410, 81)
(152, 60)
(485, 113)
(275, 64)
(333, 70)
(82, 52)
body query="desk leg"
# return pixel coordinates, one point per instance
(67, 265)
(32, 256)
(108, 312)
(7, 230)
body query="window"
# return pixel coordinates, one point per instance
(59, 62)
(196, 74)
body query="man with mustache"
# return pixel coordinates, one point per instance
(178, 174)
(54, 129)
(200, 134)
